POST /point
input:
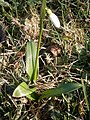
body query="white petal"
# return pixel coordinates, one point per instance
(54, 19)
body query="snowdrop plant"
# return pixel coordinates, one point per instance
(32, 67)
(54, 19)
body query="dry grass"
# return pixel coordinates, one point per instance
(64, 56)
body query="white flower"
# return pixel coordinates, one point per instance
(54, 19)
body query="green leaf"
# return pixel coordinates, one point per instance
(4, 4)
(31, 51)
(23, 90)
(63, 88)
(33, 96)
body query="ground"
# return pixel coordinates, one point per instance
(64, 57)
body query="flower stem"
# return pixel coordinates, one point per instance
(42, 15)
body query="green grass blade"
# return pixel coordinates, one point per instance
(85, 94)
(63, 88)
(4, 4)
(31, 51)
(23, 90)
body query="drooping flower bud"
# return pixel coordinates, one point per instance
(54, 19)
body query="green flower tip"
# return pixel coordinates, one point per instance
(48, 11)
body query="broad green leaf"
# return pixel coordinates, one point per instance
(63, 88)
(3, 3)
(30, 97)
(23, 90)
(31, 51)
(33, 96)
